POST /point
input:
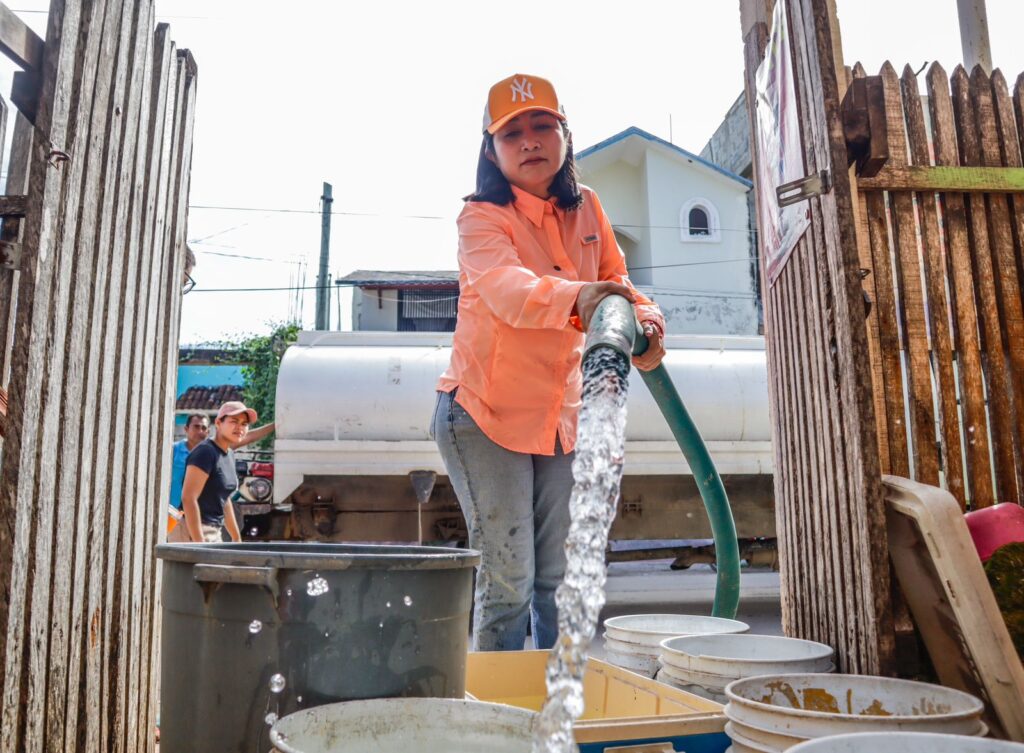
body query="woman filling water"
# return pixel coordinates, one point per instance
(537, 254)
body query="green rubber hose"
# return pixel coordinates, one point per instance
(614, 325)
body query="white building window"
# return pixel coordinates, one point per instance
(698, 222)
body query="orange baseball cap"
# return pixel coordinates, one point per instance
(234, 408)
(516, 94)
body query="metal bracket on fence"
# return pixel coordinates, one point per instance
(798, 190)
(10, 255)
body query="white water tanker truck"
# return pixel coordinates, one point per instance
(353, 458)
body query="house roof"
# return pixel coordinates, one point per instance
(372, 278)
(208, 398)
(633, 131)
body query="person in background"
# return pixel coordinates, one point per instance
(197, 428)
(537, 253)
(210, 478)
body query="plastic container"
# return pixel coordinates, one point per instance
(652, 629)
(620, 707)
(634, 641)
(778, 711)
(739, 656)
(996, 526)
(404, 725)
(905, 742)
(318, 623)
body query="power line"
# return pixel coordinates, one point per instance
(285, 210)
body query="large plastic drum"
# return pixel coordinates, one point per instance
(255, 631)
(406, 725)
(905, 742)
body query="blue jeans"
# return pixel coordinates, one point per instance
(517, 508)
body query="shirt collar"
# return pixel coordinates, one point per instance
(532, 206)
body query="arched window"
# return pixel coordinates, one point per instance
(698, 222)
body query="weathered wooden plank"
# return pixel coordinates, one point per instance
(999, 385)
(798, 466)
(884, 310)
(961, 285)
(819, 65)
(871, 281)
(10, 232)
(911, 295)
(119, 560)
(815, 499)
(76, 293)
(20, 471)
(18, 41)
(156, 187)
(938, 309)
(941, 178)
(995, 119)
(136, 300)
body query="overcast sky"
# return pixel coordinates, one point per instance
(384, 100)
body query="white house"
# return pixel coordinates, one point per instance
(685, 228)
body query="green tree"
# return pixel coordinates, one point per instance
(261, 356)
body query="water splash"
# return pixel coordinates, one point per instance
(407, 600)
(597, 471)
(317, 587)
(255, 626)
(277, 683)
(270, 718)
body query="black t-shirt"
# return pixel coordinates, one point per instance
(223, 479)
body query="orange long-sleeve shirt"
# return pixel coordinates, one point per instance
(516, 353)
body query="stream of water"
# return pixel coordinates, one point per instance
(597, 471)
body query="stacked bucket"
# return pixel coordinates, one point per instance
(775, 713)
(706, 664)
(633, 641)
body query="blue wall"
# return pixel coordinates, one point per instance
(205, 376)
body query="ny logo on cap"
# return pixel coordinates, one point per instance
(522, 89)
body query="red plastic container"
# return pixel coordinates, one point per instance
(996, 526)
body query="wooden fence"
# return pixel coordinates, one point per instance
(102, 161)
(944, 253)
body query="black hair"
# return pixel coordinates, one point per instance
(493, 187)
(200, 416)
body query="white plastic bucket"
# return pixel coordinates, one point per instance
(703, 692)
(402, 725)
(806, 706)
(652, 629)
(714, 683)
(642, 664)
(905, 742)
(739, 656)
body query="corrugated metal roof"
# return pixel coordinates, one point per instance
(208, 398)
(372, 278)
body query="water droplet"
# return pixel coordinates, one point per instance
(407, 600)
(388, 604)
(299, 699)
(270, 718)
(287, 592)
(381, 624)
(255, 626)
(253, 531)
(971, 429)
(317, 587)
(327, 635)
(277, 683)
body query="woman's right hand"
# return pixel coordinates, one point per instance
(593, 293)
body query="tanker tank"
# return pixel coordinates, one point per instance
(354, 409)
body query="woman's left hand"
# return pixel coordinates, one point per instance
(651, 357)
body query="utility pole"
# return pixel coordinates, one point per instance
(974, 38)
(323, 312)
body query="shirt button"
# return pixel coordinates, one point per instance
(558, 268)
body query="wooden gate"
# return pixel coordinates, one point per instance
(94, 229)
(830, 516)
(942, 233)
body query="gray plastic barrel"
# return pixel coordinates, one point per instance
(318, 623)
